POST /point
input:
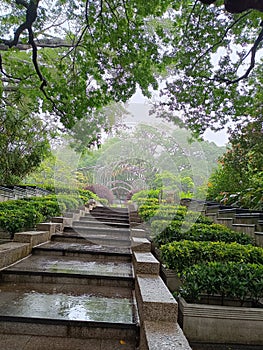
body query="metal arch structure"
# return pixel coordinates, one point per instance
(124, 175)
(132, 171)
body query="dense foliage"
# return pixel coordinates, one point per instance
(166, 232)
(238, 178)
(19, 215)
(24, 142)
(183, 254)
(63, 61)
(210, 259)
(234, 280)
(72, 57)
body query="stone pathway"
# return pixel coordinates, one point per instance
(74, 292)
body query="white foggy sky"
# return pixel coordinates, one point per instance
(220, 138)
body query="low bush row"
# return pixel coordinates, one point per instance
(209, 258)
(233, 280)
(18, 215)
(183, 254)
(177, 230)
(168, 212)
(148, 210)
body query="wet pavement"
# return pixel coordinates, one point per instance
(60, 306)
(82, 247)
(71, 290)
(68, 265)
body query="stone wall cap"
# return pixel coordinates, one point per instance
(145, 257)
(165, 336)
(153, 289)
(32, 233)
(11, 245)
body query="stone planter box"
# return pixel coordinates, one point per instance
(170, 278)
(221, 324)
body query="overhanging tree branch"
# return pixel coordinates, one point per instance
(221, 39)
(238, 6)
(31, 16)
(252, 62)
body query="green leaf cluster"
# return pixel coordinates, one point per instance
(150, 210)
(182, 230)
(238, 178)
(183, 254)
(24, 214)
(237, 280)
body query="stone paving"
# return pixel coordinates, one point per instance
(72, 295)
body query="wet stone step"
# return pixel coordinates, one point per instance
(86, 316)
(99, 229)
(97, 223)
(67, 288)
(110, 210)
(60, 306)
(71, 266)
(49, 269)
(106, 241)
(105, 218)
(86, 233)
(90, 252)
(108, 214)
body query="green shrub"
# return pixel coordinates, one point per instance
(145, 201)
(148, 211)
(146, 196)
(183, 254)
(178, 230)
(228, 280)
(18, 215)
(12, 222)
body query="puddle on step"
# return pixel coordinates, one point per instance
(68, 307)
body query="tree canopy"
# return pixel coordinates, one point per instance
(238, 178)
(70, 57)
(24, 142)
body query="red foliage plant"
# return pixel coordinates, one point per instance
(101, 191)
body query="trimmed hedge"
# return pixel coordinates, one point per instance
(18, 215)
(183, 254)
(178, 230)
(228, 280)
(147, 211)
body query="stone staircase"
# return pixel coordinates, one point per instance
(71, 293)
(241, 220)
(84, 282)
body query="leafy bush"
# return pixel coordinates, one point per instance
(230, 279)
(131, 193)
(183, 254)
(146, 197)
(178, 230)
(102, 192)
(148, 210)
(18, 215)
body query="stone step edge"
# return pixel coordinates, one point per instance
(68, 328)
(154, 300)
(82, 252)
(99, 224)
(12, 252)
(162, 335)
(145, 263)
(67, 275)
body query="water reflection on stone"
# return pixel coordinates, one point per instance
(70, 307)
